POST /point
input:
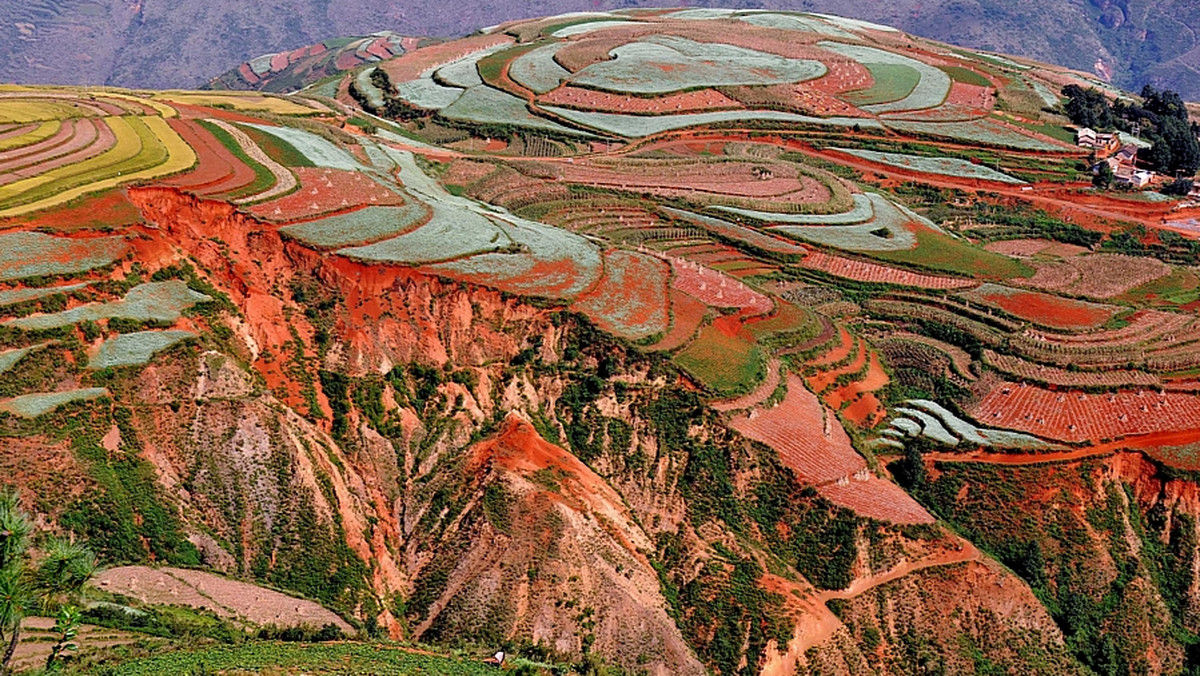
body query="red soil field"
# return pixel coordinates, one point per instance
(16, 130)
(247, 74)
(108, 209)
(737, 179)
(1027, 248)
(686, 315)
(1077, 417)
(325, 191)
(217, 170)
(863, 271)
(631, 299)
(825, 379)
(844, 75)
(876, 498)
(1047, 310)
(971, 96)
(716, 289)
(808, 438)
(874, 379)
(682, 102)
(846, 343)
(866, 411)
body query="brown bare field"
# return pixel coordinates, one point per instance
(227, 598)
(682, 102)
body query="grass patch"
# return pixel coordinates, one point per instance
(965, 76)
(893, 82)
(1180, 287)
(943, 253)
(727, 365)
(276, 148)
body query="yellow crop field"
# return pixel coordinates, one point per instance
(146, 148)
(36, 135)
(22, 110)
(252, 102)
(162, 108)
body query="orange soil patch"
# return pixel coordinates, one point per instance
(1047, 310)
(808, 437)
(520, 449)
(1076, 417)
(687, 313)
(971, 96)
(325, 191)
(876, 498)
(108, 209)
(682, 102)
(846, 343)
(863, 271)
(866, 411)
(823, 380)
(873, 380)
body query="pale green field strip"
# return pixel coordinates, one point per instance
(537, 70)
(663, 63)
(134, 349)
(980, 131)
(9, 358)
(34, 405)
(797, 23)
(863, 211)
(360, 227)
(936, 422)
(13, 296)
(364, 85)
(539, 244)
(153, 301)
(888, 217)
(944, 166)
(930, 91)
(633, 126)
(590, 26)
(318, 150)
(856, 24)
(485, 105)
(35, 254)
(450, 233)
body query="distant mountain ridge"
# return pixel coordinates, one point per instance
(177, 44)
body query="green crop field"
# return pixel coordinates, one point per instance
(893, 81)
(726, 364)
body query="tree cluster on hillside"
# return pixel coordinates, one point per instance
(1162, 118)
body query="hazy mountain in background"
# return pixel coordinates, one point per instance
(172, 43)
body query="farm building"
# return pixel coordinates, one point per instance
(1102, 143)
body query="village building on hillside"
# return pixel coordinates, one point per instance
(1123, 164)
(1101, 143)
